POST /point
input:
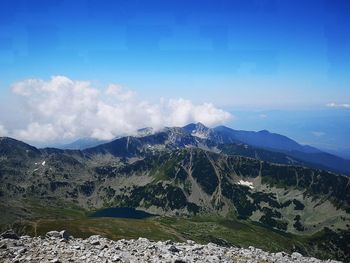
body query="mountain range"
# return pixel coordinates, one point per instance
(259, 177)
(261, 145)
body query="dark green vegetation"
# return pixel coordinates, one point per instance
(164, 196)
(200, 188)
(204, 172)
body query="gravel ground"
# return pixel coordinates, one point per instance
(60, 247)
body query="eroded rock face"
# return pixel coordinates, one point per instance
(54, 247)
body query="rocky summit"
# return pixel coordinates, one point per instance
(61, 247)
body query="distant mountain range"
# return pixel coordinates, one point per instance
(82, 144)
(87, 142)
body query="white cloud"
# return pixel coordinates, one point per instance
(338, 105)
(119, 93)
(3, 131)
(62, 108)
(38, 132)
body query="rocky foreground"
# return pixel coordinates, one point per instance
(61, 247)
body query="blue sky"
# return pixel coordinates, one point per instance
(300, 48)
(238, 55)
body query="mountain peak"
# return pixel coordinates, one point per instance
(195, 126)
(197, 129)
(201, 125)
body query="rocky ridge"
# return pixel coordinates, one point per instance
(61, 247)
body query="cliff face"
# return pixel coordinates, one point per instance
(61, 247)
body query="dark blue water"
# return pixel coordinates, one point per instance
(122, 212)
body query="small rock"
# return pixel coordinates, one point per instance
(144, 240)
(197, 247)
(116, 258)
(64, 234)
(296, 255)
(22, 250)
(54, 234)
(104, 246)
(95, 242)
(3, 245)
(174, 249)
(190, 242)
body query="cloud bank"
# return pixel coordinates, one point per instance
(61, 108)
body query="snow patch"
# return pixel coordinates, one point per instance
(246, 183)
(43, 163)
